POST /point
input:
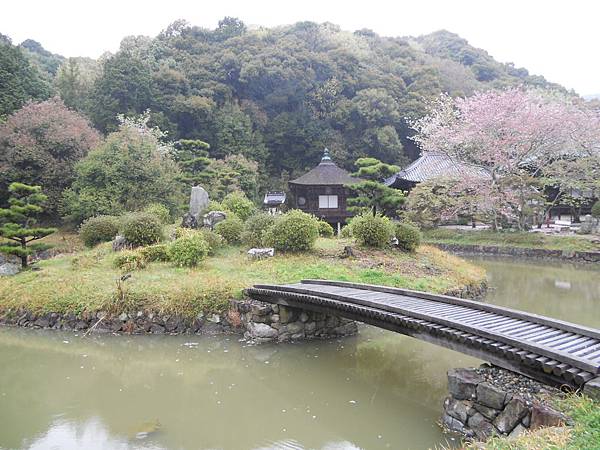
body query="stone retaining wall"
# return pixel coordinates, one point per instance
(257, 321)
(265, 322)
(576, 256)
(490, 400)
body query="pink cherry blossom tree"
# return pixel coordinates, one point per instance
(516, 136)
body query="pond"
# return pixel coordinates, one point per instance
(375, 391)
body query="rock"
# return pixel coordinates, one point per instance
(303, 317)
(462, 383)
(260, 309)
(459, 409)
(452, 424)
(512, 414)
(261, 330)
(544, 416)
(286, 314)
(213, 218)
(482, 428)
(592, 389)
(346, 330)
(189, 221)
(490, 396)
(214, 318)
(261, 253)
(489, 413)
(123, 317)
(120, 243)
(157, 329)
(293, 328)
(517, 431)
(275, 318)
(8, 269)
(198, 201)
(310, 327)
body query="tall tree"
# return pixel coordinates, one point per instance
(40, 144)
(18, 222)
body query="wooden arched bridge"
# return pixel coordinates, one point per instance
(549, 350)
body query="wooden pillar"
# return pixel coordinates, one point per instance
(339, 229)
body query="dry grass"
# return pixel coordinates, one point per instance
(87, 280)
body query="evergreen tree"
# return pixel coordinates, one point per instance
(192, 157)
(18, 222)
(371, 193)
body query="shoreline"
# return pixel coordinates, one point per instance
(519, 252)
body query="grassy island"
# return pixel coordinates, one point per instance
(86, 280)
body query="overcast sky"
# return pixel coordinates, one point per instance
(557, 39)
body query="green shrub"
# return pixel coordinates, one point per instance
(141, 229)
(372, 231)
(214, 206)
(256, 228)
(215, 241)
(129, 260)
(325, 230)
(157, 252)
(409, 237)
(238, 203)
(160, 211)
(230, 229)
(99, 229)
(346, 232)
(294, 231)
(188, 251)
(596, 210)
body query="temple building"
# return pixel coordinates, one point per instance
(431, 165)
(323, 192)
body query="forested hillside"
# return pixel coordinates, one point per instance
(274, 95)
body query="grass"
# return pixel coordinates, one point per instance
(86, 281)
(509, 239)
(583, 435)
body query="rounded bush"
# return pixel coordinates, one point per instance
(294, 231)
(99, 229)
(325, 230)
(409, 237)
(129, 260)
(215, 241)
(142, 229)
(188, 251)
(230, 229)
(372, 231)
(346, 232)
(256, 228)
(238, 203)
(596, 210)
(157, 252)
(160, 211)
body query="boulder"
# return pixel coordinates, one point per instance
(8, 268)
(489, 413)
(213, 218)
(490, 396)
(261, 330)
(517, 431)
(452, 424)
(462, 383)
(261, 253)
(120, 243)
(482, 428)
(459, 409)
(189, 221)
(544, 416)
(512, 414)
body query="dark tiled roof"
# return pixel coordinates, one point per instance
(432, 165)
(326, 173)
(274, 198)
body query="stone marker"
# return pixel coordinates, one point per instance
(198, 201)
(9, 268)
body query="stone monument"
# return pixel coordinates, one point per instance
(198, 203)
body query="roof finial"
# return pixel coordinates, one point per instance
(326, 156)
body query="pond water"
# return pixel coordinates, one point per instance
(375, 391)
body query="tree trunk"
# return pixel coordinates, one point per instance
(24, 257)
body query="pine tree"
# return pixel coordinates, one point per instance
(371, 193)
(192, 157)
(18, 222)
